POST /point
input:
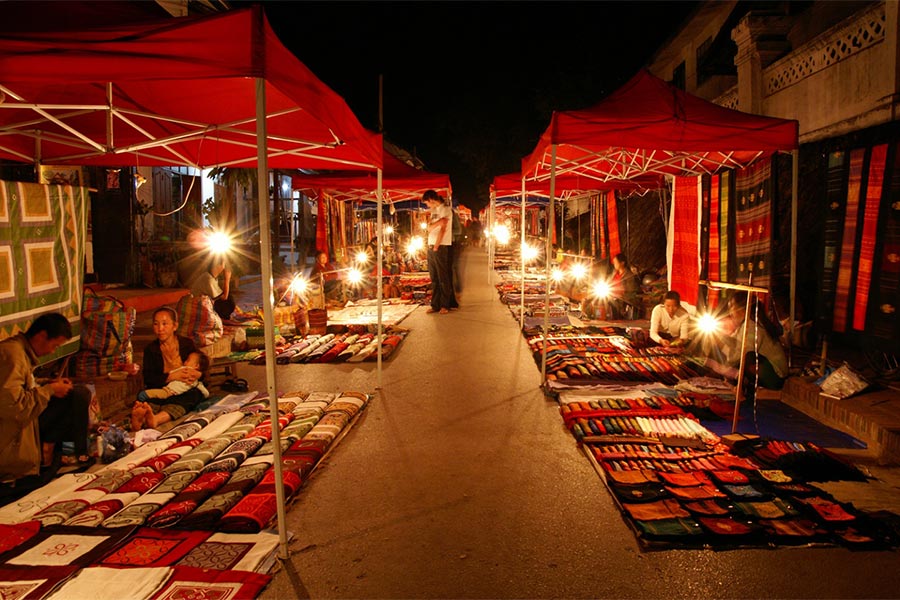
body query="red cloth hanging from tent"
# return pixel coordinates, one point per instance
(612, 218)
(870, 228)
(685, 239)
(602, 219)
(712, 257)
(321, 225)
(848, 245)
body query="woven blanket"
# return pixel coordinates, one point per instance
(59, 545)
(209, 513)
(753, 219)
(233, 552)
(870, 208)
(113, 583)
(42, 256)
(835, 203)
(28, 582)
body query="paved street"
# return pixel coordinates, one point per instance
(460, 481)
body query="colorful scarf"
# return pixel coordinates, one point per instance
(883, 321)
(869, 230)
(684, 242)
(835, 202)
(612, 219)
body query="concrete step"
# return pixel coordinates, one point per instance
(873, 416)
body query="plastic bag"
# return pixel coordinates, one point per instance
(844, 382)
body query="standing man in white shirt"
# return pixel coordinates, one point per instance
(440, 238)
(670, 322)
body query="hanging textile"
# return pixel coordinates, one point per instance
(713, 256)
(594, 202)
(835, 202)
(42, 234)
(684, 239)
(869, 229)
(322, 223)
(726, 262)
(848, 242)
(883, 318)
(612, 218)
(601, 227)
(753, 218)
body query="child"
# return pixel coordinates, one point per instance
(173, 388)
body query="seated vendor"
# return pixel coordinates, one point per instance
(669, 321)
(765, 363)
(168, 359)
(325, 269)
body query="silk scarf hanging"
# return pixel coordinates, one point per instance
(835, 202)
(713, 252)
(601, 227)
(594, 203)
(883, 319)
(684, 241)
(321, 223)
(753, 218)
(869, 230)
(848, 242)
(612, 218)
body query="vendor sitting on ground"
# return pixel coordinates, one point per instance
(669, 322)
(765, 363)
(173, 363)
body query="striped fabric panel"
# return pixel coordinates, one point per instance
(835, 200)
(594, 202)
(753, 219)
(883, 321)
(848, 245)
(612, 217)
(603, 220)
(869, 231)
(714, 256)
(724, 226)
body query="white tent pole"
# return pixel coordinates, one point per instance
(265, 260)
(379, 229)
(550, 216)
(522, 260)
(795, 167)
(486, 230)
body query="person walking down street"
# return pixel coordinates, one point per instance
(167, 359)
(440, 239)
(35, 418)
(670, 322)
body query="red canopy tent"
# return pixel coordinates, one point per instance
(172, 92)
(649, 126)
(218, 90)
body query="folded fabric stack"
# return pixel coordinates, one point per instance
(677, 484)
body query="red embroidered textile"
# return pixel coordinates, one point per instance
(150, 547)
(713, 254)
(866, 257)
(193, 582)
(848, 244)
(13, 535)
(27, 582)
(685, 239)
(883, 321)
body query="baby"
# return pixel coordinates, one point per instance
(173, 388)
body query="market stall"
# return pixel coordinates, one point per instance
(150, 94)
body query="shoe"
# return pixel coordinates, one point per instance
(430, 310)
(237, 385)
(444, 311)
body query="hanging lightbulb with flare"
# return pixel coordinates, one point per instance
(601, 289)
(362, 257)
(502, 235)
(578, 270)
(218, 242)
(529, 253)
(707, 324)
(557, 275)
(354, 276)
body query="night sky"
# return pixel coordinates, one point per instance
(470, 86)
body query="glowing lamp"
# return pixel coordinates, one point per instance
(501, 232)
(218, 242)
(299, 285)
(354, 276)
(601, 289)
(423, 225)
(388, 230)
(707, 324)
(529, 253)
(578, 270)
(557, 274)
(362, 257)
(416, 243)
